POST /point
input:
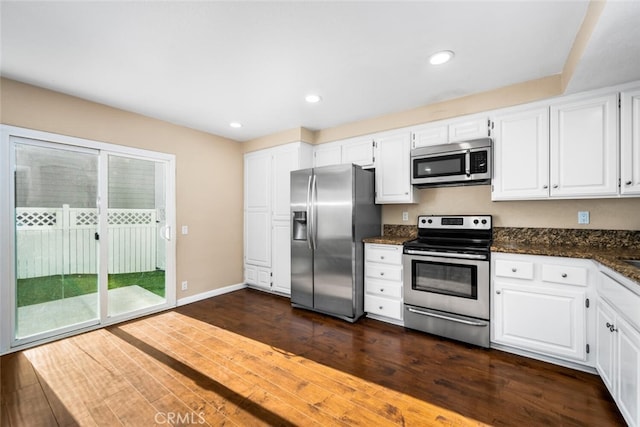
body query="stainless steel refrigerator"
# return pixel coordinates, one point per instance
(332, 210)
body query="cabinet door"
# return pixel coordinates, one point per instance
(284, 161)
(430, 135)
(521, 155)
(630, 142)
(628, 375)
(468, 129)
(542, 319)
(281, 257)
(584, 147)
(393, 170)
(605, 345)
(257, 181)
(257, 245)
(359, 152)
(327, 154)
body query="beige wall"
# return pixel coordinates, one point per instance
(609, 214)
(209, 178)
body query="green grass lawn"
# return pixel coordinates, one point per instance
(49, 288)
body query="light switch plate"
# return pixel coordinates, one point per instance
(583, 217)
(405, 216)
(185, 229)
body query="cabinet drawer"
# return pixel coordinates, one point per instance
(388, 254)
(564, 274)
(383, 272)
(516, 269)
(384, 288)
(383, 306)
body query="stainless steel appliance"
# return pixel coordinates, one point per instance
(460, 163)
(332, 210)
(446, 277)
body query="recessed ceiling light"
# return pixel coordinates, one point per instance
(440, 57)
(235, 125)
(312, 99)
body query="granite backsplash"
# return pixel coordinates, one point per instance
(605, 239)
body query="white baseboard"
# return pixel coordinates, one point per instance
(209, 294)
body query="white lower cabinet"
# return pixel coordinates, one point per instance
(540, 305)
(383, 282)
(618, 345)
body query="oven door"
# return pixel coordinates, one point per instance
(459, 286)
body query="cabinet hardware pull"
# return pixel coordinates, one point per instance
(498, 292)
(381, 257)
(381, 307)
(564, 275)
(555, 186)
(382, 273)
(612, 328)
(628, 183)
(545, 186)
(514, 269)
(381, 289)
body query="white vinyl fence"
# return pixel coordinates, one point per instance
(52, 241)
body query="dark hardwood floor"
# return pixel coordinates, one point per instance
(248, 358)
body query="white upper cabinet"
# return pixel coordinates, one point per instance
(284, 160)
(257, 179)
(445, 131)
(359, 151)
(393, 169)
(466, 129)
(433, 134)
(327, 154)
(584, 147)
(521, 154)
(630, 142)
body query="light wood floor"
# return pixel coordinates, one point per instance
(247, 358)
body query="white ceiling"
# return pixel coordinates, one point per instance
(204, 64)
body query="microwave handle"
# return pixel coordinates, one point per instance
(467, 163)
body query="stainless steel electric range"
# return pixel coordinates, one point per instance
(446, 277)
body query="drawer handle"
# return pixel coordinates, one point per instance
(382, 273)
(381, 289)
(380, 307)
(381, 256)
(498, 292)
(612, 328)
(564, 275)
(514, 269)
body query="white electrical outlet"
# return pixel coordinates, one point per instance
(583, 217)
(405, 216)
(185, 285)
(185, 229)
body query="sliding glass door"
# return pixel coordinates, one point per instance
(56, 226)
(138, 234)
(91, 240)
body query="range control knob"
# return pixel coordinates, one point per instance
(423, 220)
(430, 221)
(484, 221)
(475, 221)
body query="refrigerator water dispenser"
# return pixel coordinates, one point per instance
(299, 225)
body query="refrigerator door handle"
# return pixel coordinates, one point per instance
(309, 220)
(314, 212)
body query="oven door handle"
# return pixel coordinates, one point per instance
(452, 319)
(446, 254)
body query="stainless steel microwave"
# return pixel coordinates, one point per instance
(458, 163)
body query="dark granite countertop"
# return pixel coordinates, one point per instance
(608, 247)
(387, 240)
(612, 258)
